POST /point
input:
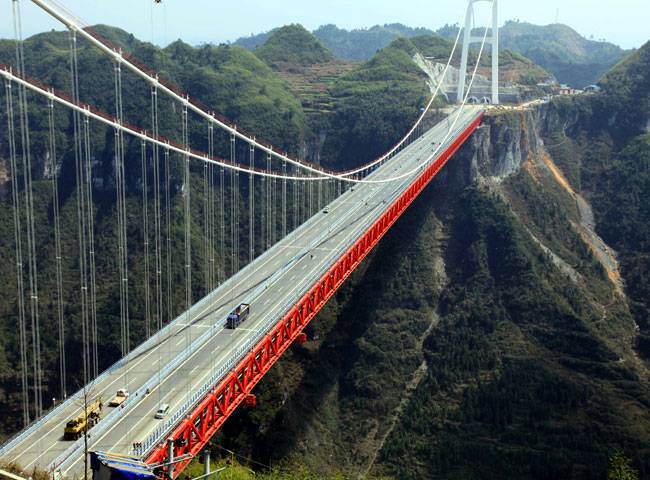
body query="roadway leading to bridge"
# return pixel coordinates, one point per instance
(277, 279)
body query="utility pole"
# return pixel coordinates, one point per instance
(85, 433)
(87, 393)
(206, 463)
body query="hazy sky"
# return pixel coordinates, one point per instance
(624, 22)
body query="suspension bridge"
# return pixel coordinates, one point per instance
(307, 229)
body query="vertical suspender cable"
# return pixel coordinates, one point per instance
(274, 211)
(121, 208)
(222, 226)
(20, 283)
(188, 219)
(168, 224)
(310, 197)
(233, 215)
(187, 191)
(251, 207)
(302, 194)
(206, 226)
(237, 207)
(157, 220)
(296, 212)
(284, 199)
(263, 221)
(320, 195)
(145, 236)
(206, 230)
(91, 246)
(57, 250)
(29, 209)
(211, 210)
(81, 209)
(269, 220)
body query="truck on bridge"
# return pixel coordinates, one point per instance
(237, 316)
(84, 421)
(120, 397)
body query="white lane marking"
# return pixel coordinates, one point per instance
(113, 427)
(223, 356)
(350, 233)
(221, 296)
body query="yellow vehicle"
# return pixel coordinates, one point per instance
(75, 428)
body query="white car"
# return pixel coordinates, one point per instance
(162, 411)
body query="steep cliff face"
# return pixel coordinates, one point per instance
(483, 339)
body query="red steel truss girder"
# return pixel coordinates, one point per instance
(191, 435)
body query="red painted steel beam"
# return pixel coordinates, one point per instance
(191, 435)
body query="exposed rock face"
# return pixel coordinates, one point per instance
(496, 151)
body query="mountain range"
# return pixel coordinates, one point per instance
(501, 329)
(557, 48)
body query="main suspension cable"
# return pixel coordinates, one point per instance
(152, 79)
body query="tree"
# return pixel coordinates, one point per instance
(620, 469)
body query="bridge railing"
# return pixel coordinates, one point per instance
(61, 461)
(158, 435)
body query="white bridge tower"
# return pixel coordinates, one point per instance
(468, 39)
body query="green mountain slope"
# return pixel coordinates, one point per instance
(374, 106)
(362, 44)
(293, 44)
(460, 350)
(485, 337)
(230, 80)
(610, 136)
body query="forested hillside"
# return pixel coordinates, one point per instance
(557, 48)
(293, 45)
(229, 80)
(488, 336)
(491, 334)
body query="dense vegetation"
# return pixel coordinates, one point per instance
(556, 48)
(611, 155)
(375, 105)
(293, 45)
(519, 383)
(458, 349)
(358, 44)
(229, 80)
(363, 43)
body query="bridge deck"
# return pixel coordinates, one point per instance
(270, 285)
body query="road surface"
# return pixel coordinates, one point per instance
(270, 284)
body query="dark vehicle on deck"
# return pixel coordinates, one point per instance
(238, 316)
